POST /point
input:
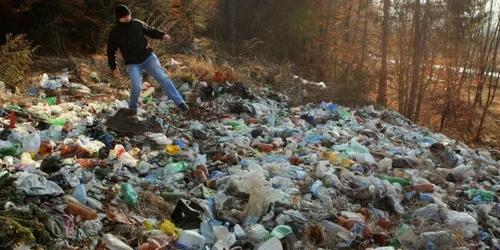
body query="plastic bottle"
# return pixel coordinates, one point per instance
(91, 162)
(12, 120)
(271, 120)
(46, 148)
(355, 227)
(83, 211)
(80, 194)
(129, 194)
(335, 229)
(400, 231)
(401, 181)
(423, 188)
(55, 132)
(31, 143)
(9, 151)
(70, 151)
(251, 121)
(169, 196)
(49, 100)
(263, 147)
(58, 122)
(234, 124)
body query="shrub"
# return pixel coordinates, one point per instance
(15, 59)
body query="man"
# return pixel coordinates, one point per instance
(128, 35)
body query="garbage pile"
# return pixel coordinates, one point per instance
(242, 170)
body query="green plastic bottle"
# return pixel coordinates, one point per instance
(234, 124)
(11, 151)
(401, 230)
(401, 181)
(13, 108)
(129, 194)
(50, 100)
(59, 122)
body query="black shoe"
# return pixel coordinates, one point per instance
(184, 107)
(130, 113)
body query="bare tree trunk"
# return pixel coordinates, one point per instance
(493, 85)
(365, 40)
(347, 39)
(423, 87)
(448, 98)
(320, 73)
(347, 24)
(423, 49)
(417, 54)
(402, 63)
(382, 85)
(482, 70)
(231, 22)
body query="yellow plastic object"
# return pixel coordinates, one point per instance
(168, 227)
(173, 149)
(134, 151)
(117, 188)
(149, 225)
(330, 156)
(346, 162)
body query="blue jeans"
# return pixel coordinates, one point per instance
(153, 67)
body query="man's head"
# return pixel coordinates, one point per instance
(122, 13)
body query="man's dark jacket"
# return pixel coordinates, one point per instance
(130, 39)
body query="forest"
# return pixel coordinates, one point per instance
(434, 61)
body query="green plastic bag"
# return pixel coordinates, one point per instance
(176, 167)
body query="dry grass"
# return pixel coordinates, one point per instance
(151, 205)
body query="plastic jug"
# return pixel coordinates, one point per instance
(192, 239)
(31, 143)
